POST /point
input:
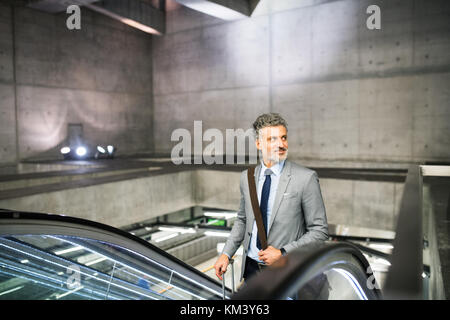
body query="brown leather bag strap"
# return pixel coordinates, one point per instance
(255, 205)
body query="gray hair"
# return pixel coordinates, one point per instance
(268, 120)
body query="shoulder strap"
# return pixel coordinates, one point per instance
(256, 210)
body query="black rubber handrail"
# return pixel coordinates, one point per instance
(371, 251)
(302, 265)
(404, 280)
(6, 214)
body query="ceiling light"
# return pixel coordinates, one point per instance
(175, 229)
(101, 149)
(170, 236)
(81, 151)
(65, 150)
(59, 252)
(226, 215)
(217, 234)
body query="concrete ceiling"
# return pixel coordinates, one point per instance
(55, 6)
(139, 14)
(149, 15)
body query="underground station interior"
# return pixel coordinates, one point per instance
(127, 128)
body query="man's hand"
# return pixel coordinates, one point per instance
(270, 255)
(221, 265)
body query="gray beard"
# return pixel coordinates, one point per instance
(277, 159)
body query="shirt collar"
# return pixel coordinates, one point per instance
(276, 169)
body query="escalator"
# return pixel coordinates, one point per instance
(57, 257)
(323, 271)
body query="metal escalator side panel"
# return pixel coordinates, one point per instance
(89, 233)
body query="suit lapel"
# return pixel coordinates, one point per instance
(282, 185)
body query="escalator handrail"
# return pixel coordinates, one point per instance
(404, 280)
(277, 282)
(9, 216)
(371, 251)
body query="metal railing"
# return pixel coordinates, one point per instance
(404, 280)
(233, 289)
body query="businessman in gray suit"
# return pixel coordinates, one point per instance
(290, 201)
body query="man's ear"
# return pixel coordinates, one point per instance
(258, 144)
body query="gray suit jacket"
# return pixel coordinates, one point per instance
(298, 214)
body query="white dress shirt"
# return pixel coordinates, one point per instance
(275, 178)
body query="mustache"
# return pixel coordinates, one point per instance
(281, 149)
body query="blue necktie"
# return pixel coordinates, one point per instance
(264, 202)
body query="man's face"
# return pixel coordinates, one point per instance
(273, 144)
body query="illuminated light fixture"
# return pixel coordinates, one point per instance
(213, 9)
(170, 236)
(11, 290)
(65, 150)
(140, 26)
(110, 149)
(81, 151)
(437, 171)
(217, 234)
(95, 261)
(105, 152)
(180, 230)
(130, 22)
(59, 252)
(101, 153)
(24, 261)
(226, 215)
(101, 149)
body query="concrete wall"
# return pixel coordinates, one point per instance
(118, 203)
(99, 76)
(7, 88)
(347, 92)
(370, 204)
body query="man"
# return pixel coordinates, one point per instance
(290, 201)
